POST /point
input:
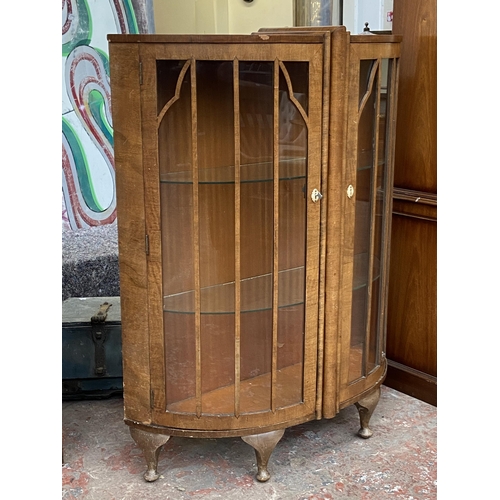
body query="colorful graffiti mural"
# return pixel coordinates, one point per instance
(88, 173)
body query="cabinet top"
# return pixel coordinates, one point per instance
(312, 37)
(269, 35)
(340, 30)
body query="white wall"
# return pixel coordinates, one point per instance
(357, 12)
(221, 16)
(247, 17)
(88, 173)
(238, 16)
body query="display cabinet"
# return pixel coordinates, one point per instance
(254, 178)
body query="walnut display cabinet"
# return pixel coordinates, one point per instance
(254, 182)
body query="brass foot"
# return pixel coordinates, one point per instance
(365, 408)
(264, 445)
(151, 444)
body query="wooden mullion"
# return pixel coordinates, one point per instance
(339, 227)
(276, 180)
(237, 239)
(337, 221)
(196, 236)
(323, 225)
(349, 214)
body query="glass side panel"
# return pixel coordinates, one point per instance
(376, 326)
(370, 219)
(383, 122)
(293, 84)
(368, 85)
(175, 155)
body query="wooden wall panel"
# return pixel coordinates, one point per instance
(412, 343)
(416, 130)
(412, 307)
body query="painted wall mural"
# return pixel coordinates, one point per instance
(88, 172)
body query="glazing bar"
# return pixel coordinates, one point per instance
(237, 238)
(276, 180)
(196, 235)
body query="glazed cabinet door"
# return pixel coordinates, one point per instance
(372, 96)
(232, 152)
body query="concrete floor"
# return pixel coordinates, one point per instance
(318, 460)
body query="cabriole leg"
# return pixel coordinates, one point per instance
(151, 444)
(365, 408)
(264, 445)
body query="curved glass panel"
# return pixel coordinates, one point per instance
(370, 221)
(232, 152)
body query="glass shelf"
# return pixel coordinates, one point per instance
(365, 160)
(361, 262)
(254, 394)
(256, 295)
(293, 168)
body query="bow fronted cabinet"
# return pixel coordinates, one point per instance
(254, 186)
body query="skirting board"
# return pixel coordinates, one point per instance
(412, 382)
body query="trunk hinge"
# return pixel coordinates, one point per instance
(97, 322)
